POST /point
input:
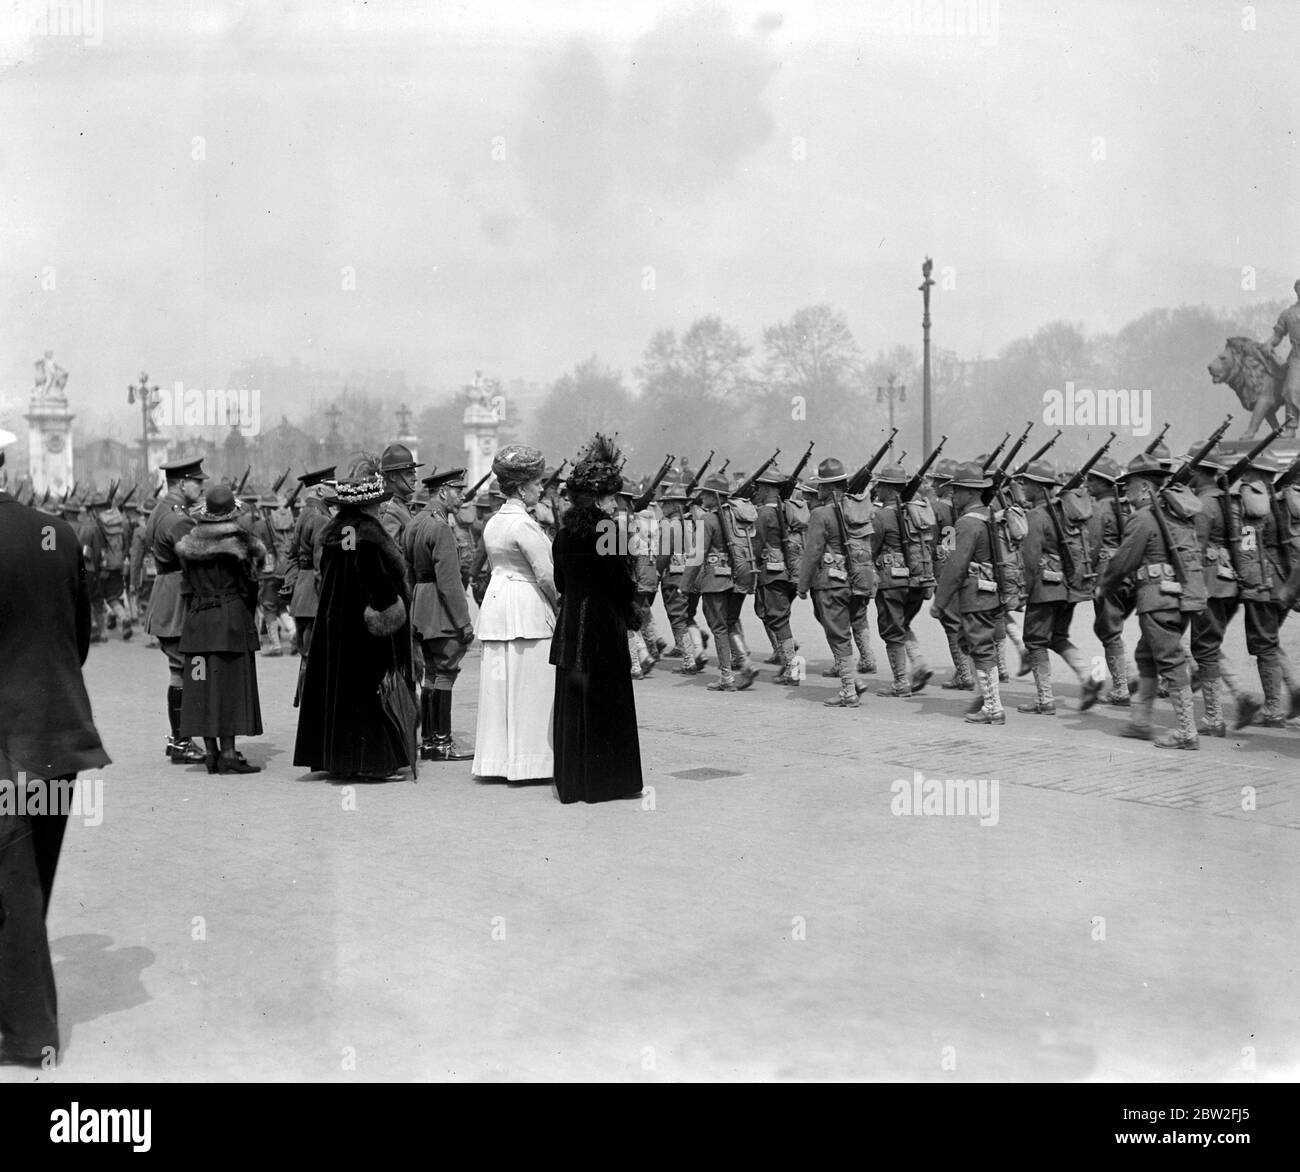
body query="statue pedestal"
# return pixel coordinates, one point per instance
(49, 444)
(481, 427)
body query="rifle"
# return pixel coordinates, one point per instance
(293, 496)
(275, 488)
(996, 452)
(479, 483)
(243, 480)
(549, 483)
(911, 487)
(130, 494)
(695, 480)
(1038, 455)
(1238, 470)
(787, 487)
(722, 471)
(1079, 476)
(746, 490)
(1150, 449)
(1289, 477)
(646, 497)
(1184, 474)
(862, 477)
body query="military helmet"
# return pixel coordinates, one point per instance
(1216, 461)
(1041, 471)
(970, 475)
(398, 458)
(944, 469)
(1144, 465)
(829, 471)
(673, 490)
(773, 475)
(1267, 463)
(893, 474)
(1162, 453)
(1105, 469)
(715, 483)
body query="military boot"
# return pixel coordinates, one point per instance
(1044, 702)
(744, 674)
(832, 672)
(1117, 668)
(1143, 700)
(428, 718)
(866, 656)
(690, 665)
(787, 676)
(1089, 687)
(1212, 697)
(897, 654)
(1000, 651)
(775, 657)
(991, 711)
(272, 647)
(962, 680)
(1184, 736)
(180, 750)
(128, 629)
(1288, 678)
(1270, 677)
(726, 681)
(921, 673)
(444, 748)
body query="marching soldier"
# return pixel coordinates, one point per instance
(279, 528)
(837, 568)
(969, 587)
(674, 554)
(1058, 574)
(945, 538)
(779, 568)
(723, 577)
(905, 578)
(439, 612)
(641, 541)
(302, 574)
(1161, 551)
(167, 524)
(397, 466)
(144, 570)
(112, 555)
(1110, 610)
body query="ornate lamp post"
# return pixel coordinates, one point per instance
(924, 286)
(890, 393)
(148, 398)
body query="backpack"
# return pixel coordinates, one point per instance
(739, 527)
(114, 544)
(1076, 505)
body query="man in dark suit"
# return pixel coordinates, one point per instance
(46, 734)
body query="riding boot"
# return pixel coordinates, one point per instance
(1143, 700)
(444, 748)
(181, 750)
(897, 654)
(1184, 736)
(428, 718)
(1212, 696)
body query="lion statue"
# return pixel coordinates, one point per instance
(1250, 369)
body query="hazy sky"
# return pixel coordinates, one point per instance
(1080, 160)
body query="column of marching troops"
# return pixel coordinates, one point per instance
(1001, 554)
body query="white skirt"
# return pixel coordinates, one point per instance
(516, 694)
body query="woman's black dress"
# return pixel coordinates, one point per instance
(219, 561)
(597, 751)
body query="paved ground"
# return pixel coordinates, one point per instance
(761, 914)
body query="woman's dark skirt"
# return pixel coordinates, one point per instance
(597, 750)
(224, 702)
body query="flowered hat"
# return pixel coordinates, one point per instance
(597, 471)
(360, 490)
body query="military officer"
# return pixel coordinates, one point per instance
(397, 466)
(723, 577)
(968, 586)
(167, 524)
(439, 611)
(1058, 575)
(302, 574)
(837, 568)
(905, 578)
(1162, 553)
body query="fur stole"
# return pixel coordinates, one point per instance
(368, 529)
(220, 538)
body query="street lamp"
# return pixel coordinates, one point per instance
(924, 287)
(890, 393)
(148, 397)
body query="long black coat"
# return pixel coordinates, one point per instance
(46, 729)
(596, 606)
(362, 632)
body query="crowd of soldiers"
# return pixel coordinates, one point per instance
(1002, 553)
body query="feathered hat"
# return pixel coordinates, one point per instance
(599, 468)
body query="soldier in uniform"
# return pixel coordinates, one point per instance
(1288, 326)
(1058, 575)
(837, 568)
(279, 527)
(144, 570)
(439, 612)
(397, 466)
(1110, 611)
(945, 538)
(112, 556)
(642, 540)
(723, 577)
(675, 551)
(165, 621)
(905, 578)
(302, 574)
(969, 588)
(779, 566)
(1162, 553)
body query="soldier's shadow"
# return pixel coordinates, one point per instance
(93, 979)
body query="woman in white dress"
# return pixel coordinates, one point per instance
(516, 690)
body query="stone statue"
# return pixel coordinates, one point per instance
(50, 377)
